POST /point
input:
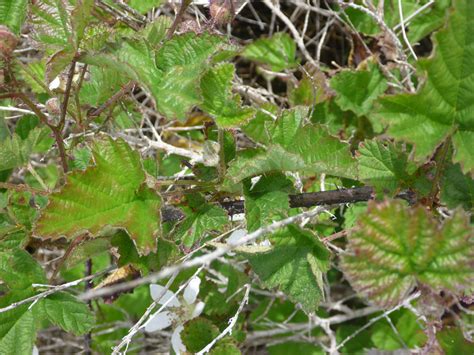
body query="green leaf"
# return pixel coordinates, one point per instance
(18, 269)
(257, 162)
(357, 90)
(112, 193)
(201, 218)
(419, 27)
(394, 247)
(295, 265)
(67, 312)
(443, 106)
(279, 52)
(181, 62)
(15, 152)
(143, 6)
(293, 145)
(452, 341)
(383, 166)
(409, 332)
(267, 200)
(218, 101)
(17, 326)
(457, 188)
(197, 333)
(13, 13)
(80, 18)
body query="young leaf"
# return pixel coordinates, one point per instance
(67, 312)
(278, 52)
(12, 14)
(295, 265)
(197, 333)
(383, 166)
(218, 101)
(111, 193)
(357, 90)
(394, 247)
(443, 106)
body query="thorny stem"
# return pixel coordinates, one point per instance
(67, 94)
(112, 100)
(440, 165)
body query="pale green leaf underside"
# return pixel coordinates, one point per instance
(445, 103)
(112, 193)
(395, 247)
(295, 265)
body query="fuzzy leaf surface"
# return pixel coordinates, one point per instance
(111, 193)
(445, 103)
(395, 247)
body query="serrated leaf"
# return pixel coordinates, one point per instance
(67, 312)
(13, 13)
(17, 326)
(112, 193)
(15, 152)
(457, 188)
(267, 200)
(181, 61)
(279, 52)
(295, 265)
(293, 145)
(357, 90)
(257, 162)
(80, 17)
(201, 218)
(394, 247)
(383, 166)
(18, 269)
(197, 333)
(218, 101)
(443, 106)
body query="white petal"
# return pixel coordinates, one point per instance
(157, 290)
(198, 310)
(176, 341)
(236, 235)
(35, 350)
(55, 84)
(159, 321)
(191, 291)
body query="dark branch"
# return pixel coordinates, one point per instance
(308, 199)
